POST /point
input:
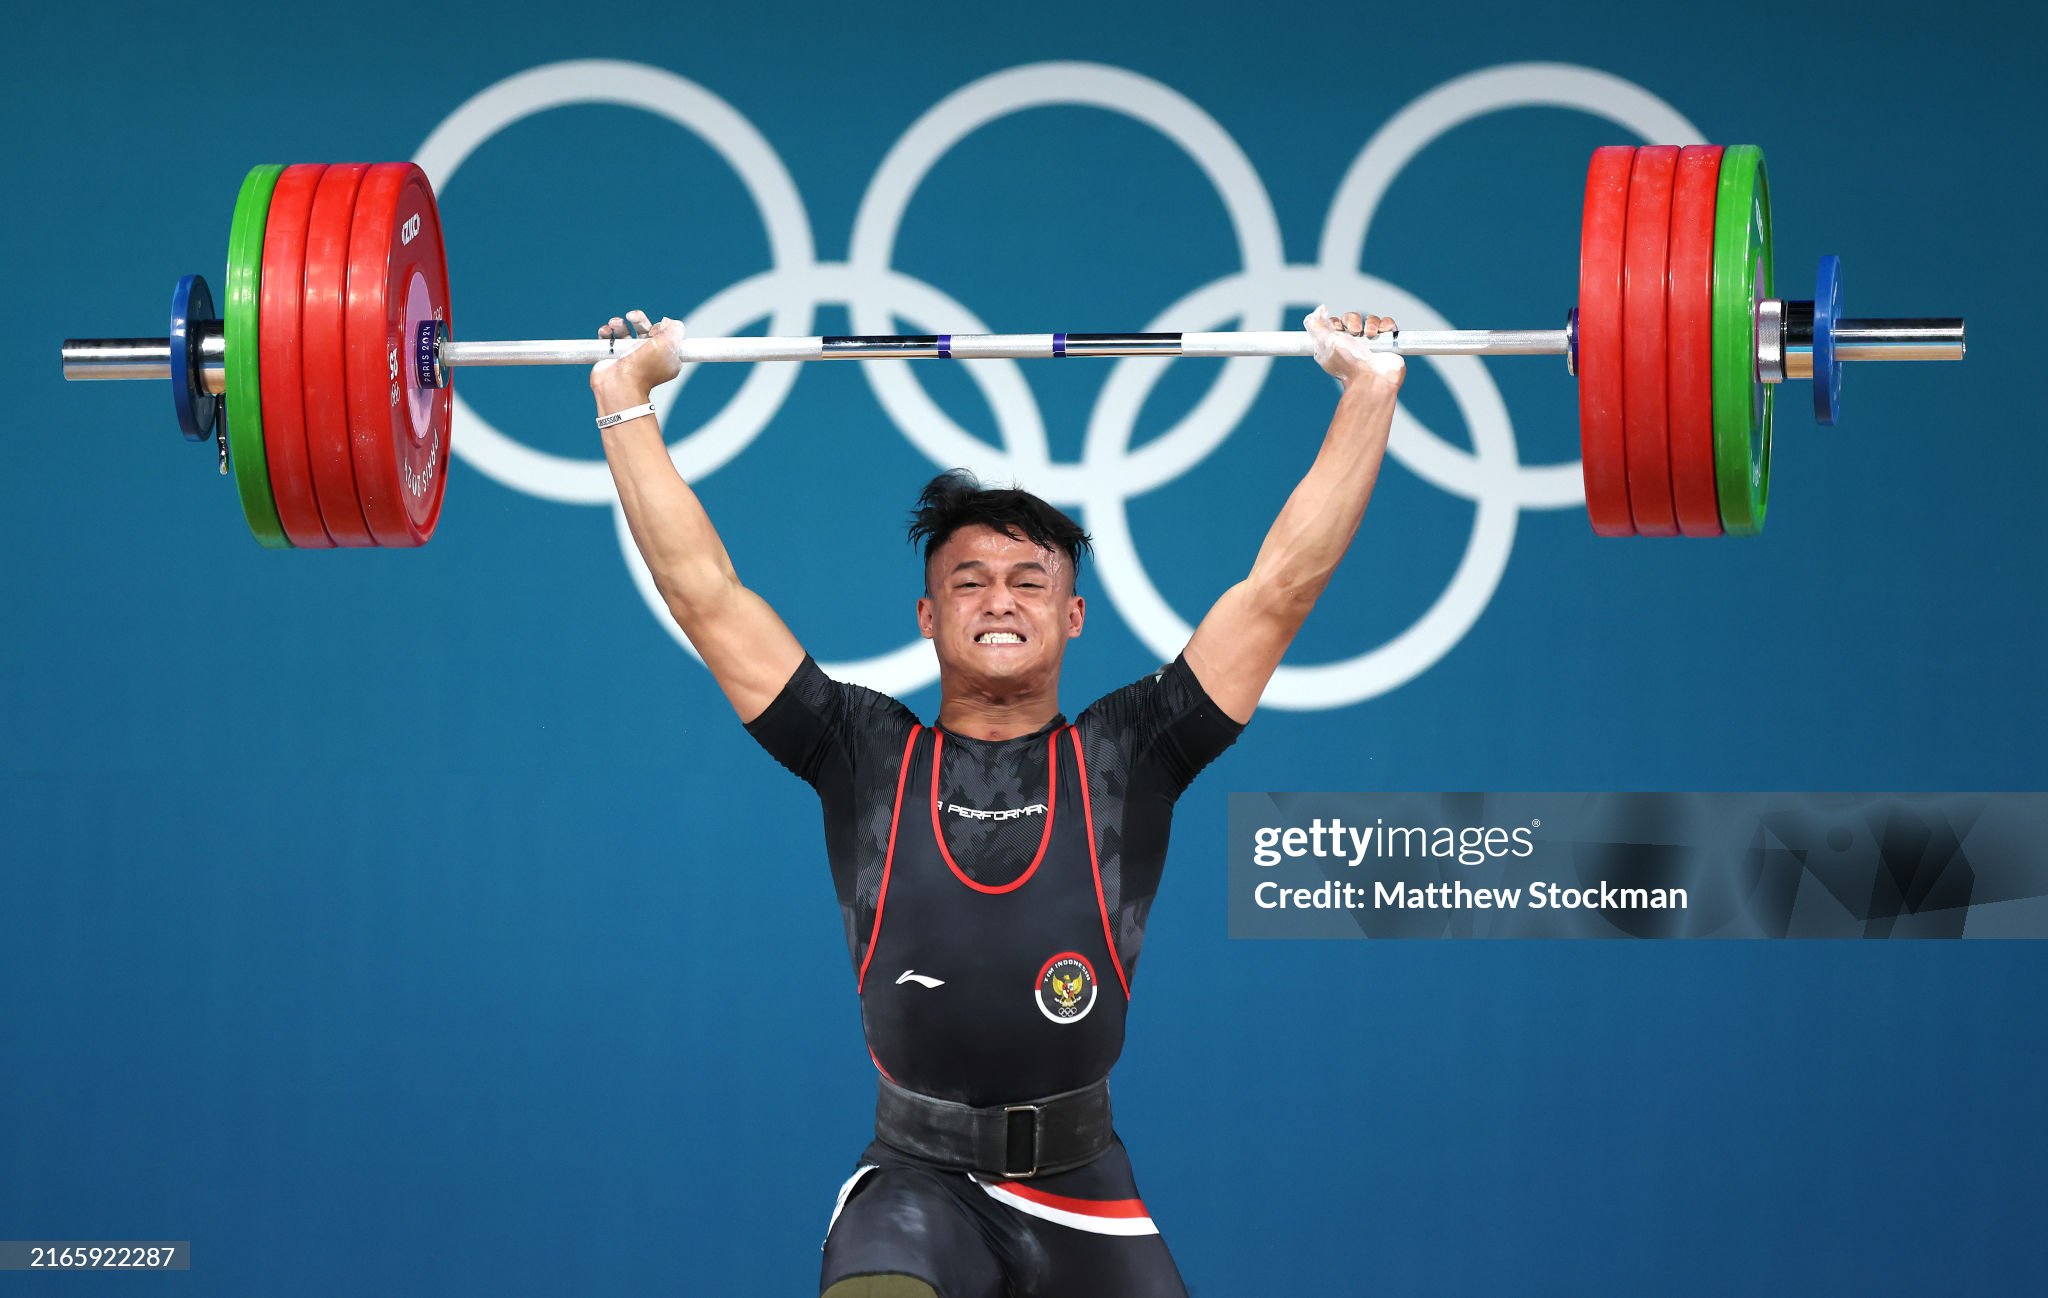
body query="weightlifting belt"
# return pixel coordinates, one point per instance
(1051, 1134)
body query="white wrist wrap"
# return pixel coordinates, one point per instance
(621, 416)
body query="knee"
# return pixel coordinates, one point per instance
(881, 1286)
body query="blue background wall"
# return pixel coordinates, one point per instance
(424, 922)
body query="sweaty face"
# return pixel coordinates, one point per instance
(999, 610)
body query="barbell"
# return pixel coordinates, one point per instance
(326, 382)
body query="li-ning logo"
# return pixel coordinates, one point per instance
(1265, 292)
(976, 813)
(410, 230)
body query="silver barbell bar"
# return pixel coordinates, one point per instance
(1855, 340)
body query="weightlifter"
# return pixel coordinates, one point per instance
(995, 869)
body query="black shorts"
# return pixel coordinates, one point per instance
(1077, 1234)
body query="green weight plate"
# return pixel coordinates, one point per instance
(1742, 277)
(245, 389)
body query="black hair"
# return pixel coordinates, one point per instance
(956, 499)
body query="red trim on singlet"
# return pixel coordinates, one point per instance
(878, 1064)
(1095, 864)
(1052, 806)
(888, 859)
(1085, 1207)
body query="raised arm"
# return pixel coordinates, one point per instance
(1239, 644)
(751, 654)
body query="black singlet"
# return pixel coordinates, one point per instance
(995, 892)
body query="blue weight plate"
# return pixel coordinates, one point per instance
(1827, 368)
(191, 307)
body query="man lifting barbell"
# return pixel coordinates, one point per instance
(994, 938)
(327, 389)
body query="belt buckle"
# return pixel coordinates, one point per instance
(1035, 1111)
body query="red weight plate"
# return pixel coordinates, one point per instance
(324, 378)
(1602, 235)
(277, 333)
(1689, 351)
(1644, 413)
(397, 278)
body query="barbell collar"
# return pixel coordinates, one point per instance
(1770, 341)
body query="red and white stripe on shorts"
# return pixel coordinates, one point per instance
(1098, 1216)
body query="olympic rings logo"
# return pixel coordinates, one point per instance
(1109, 472)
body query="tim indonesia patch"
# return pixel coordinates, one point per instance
(1066, 988)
